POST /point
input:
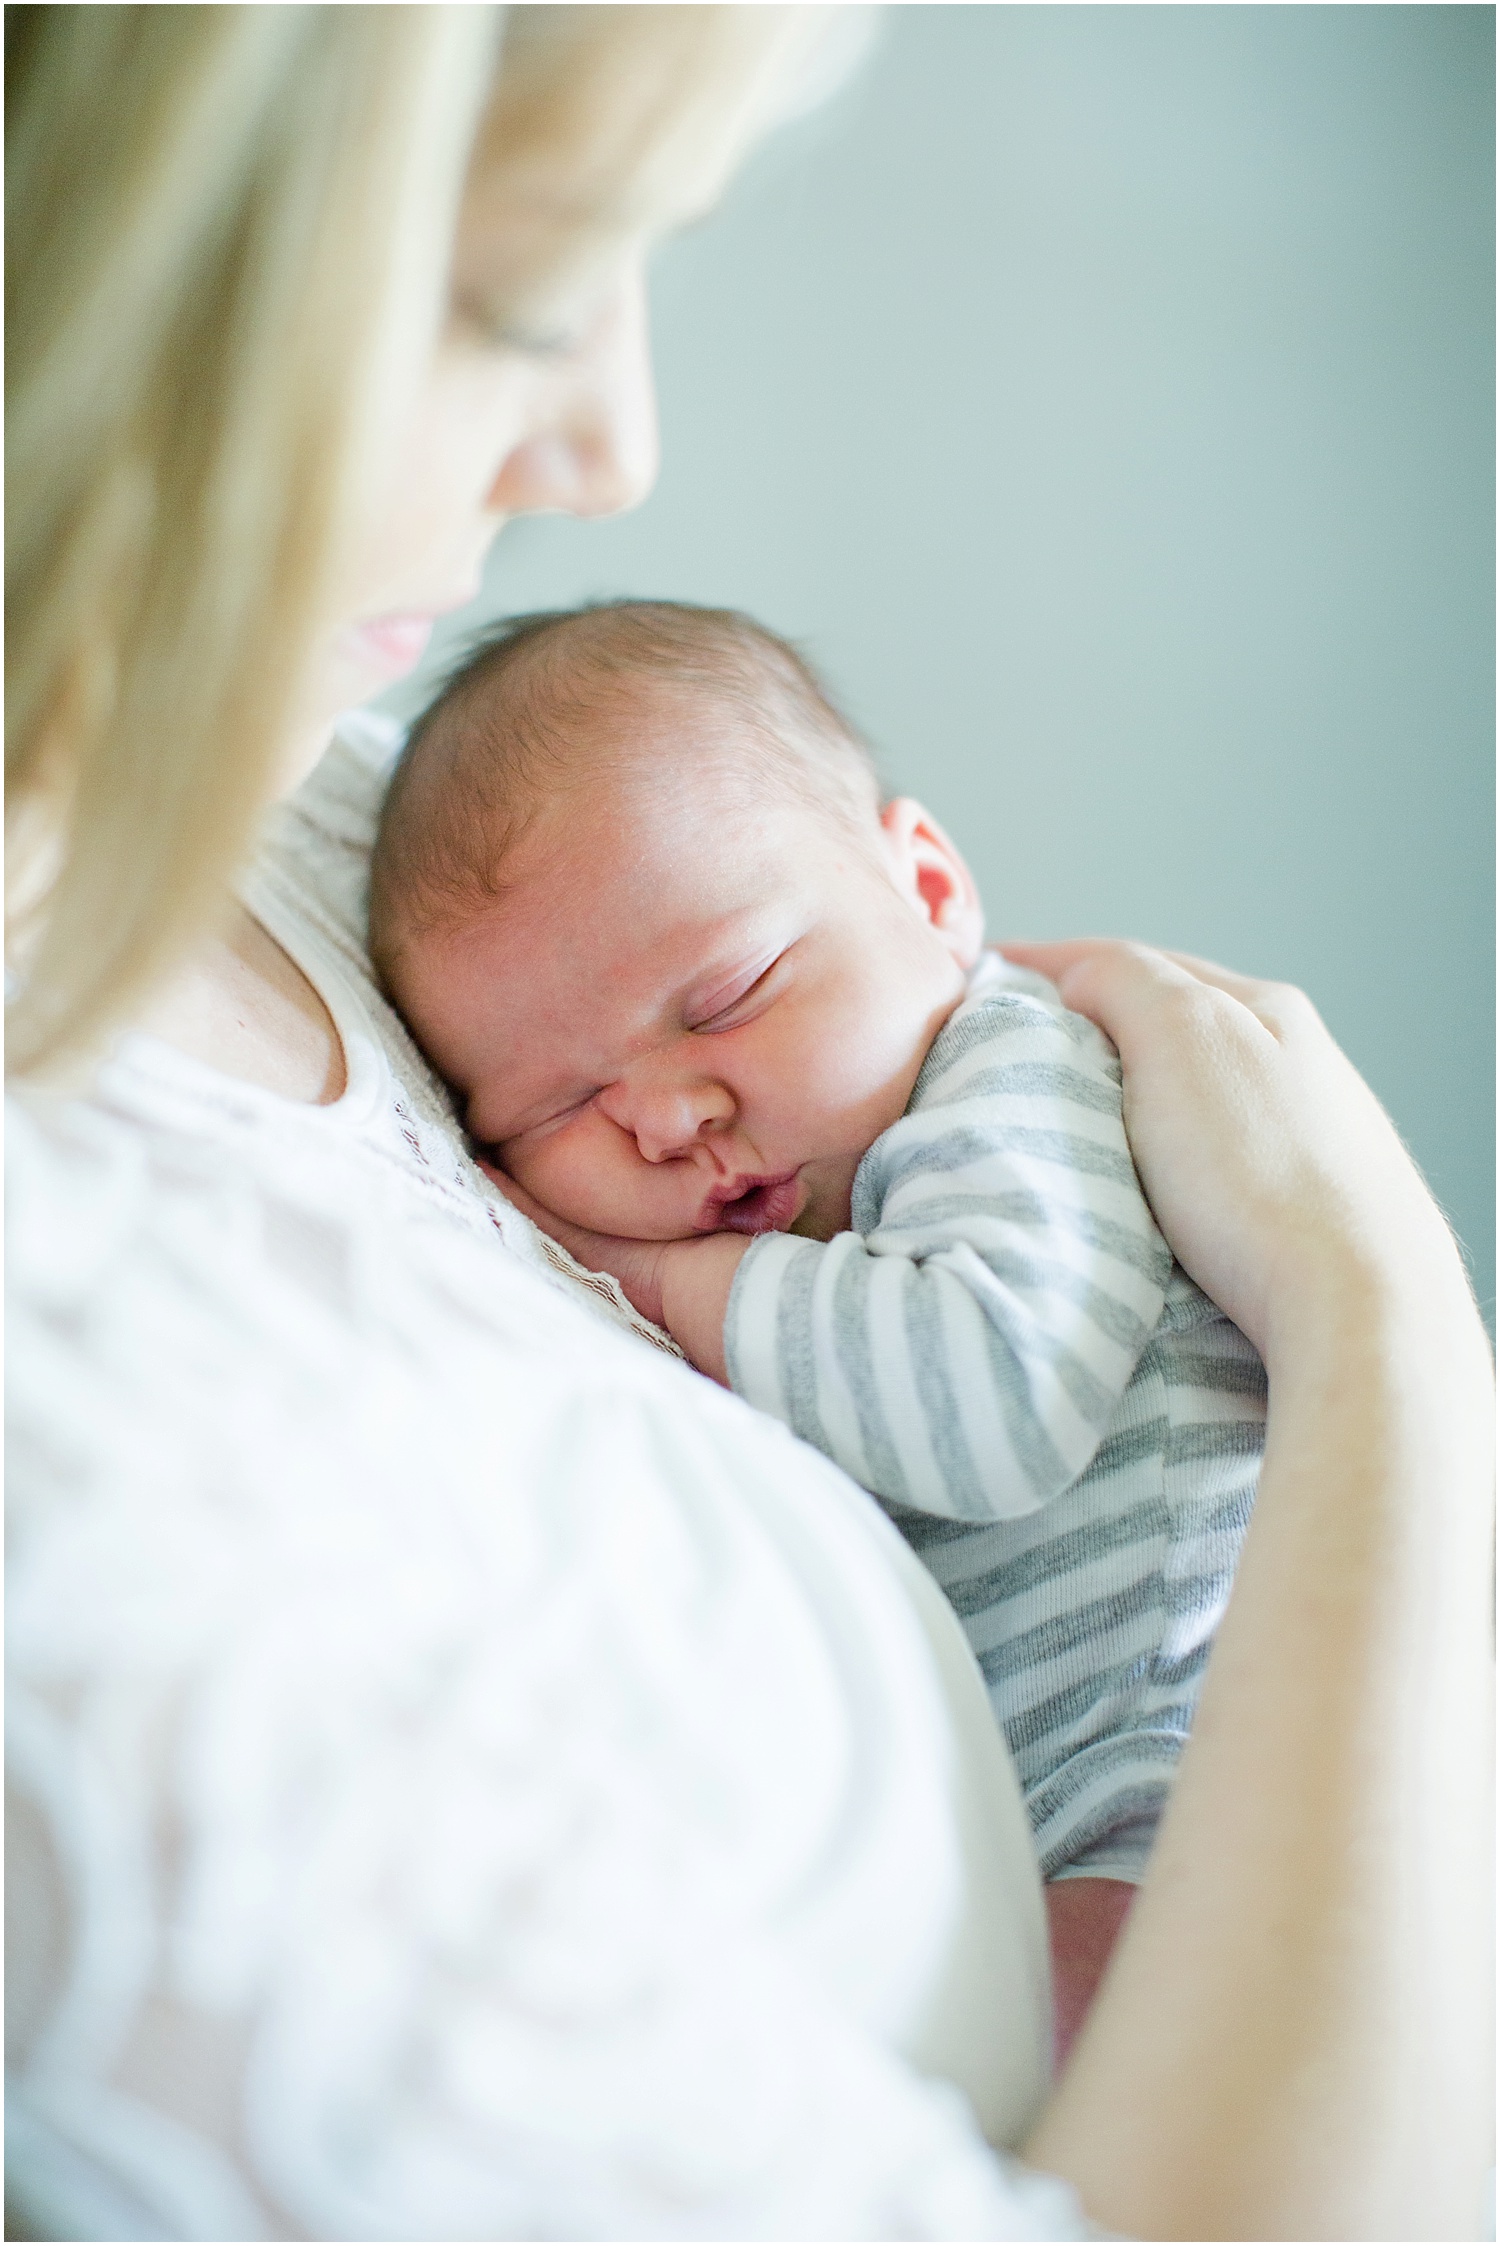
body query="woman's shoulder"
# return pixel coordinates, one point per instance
(318, 841)
(309, 886)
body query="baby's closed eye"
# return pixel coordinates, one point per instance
(737, 1001)
(554, 1119)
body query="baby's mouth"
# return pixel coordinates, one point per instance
(761, 1205)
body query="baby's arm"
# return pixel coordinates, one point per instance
(682, 1285)
(963, 1350)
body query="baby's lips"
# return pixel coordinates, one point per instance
(771, 1206)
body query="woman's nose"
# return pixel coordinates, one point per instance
(667, 1119)
(595, 449)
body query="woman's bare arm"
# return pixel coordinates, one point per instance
(1291, 2040)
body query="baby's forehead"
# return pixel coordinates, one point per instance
(649, 750)
(612, 794)
(672, 870)
(694, 837)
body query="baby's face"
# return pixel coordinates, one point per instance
(685, 1018)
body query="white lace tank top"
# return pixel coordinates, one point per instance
(469, 1776)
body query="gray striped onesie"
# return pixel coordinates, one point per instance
(1062, 1425)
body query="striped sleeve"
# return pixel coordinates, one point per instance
(962, 1351)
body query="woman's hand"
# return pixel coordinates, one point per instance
(1291, 2038)
(682, 1285)
(1268, 1161)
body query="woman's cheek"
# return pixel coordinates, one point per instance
(436, 517)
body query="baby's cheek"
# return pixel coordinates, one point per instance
(590, 1173)
(851, 1079)
(556, 1174)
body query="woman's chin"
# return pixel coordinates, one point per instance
(385, 648)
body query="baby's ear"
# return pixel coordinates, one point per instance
(930, 873)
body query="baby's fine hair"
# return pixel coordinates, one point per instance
(510, 733)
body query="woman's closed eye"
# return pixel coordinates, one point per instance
(499, 332)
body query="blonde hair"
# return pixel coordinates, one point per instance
(228, 235)
(228, 231)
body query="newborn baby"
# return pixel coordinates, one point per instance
(724, 1023)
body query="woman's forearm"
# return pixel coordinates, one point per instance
(1290, 2041)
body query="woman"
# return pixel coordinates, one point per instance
(471, 1778)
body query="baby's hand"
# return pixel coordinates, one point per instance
(635, 1263)
(682, 1285)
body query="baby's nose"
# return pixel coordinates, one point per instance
(668, 1119)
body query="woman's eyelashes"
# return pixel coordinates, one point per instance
(496, 332)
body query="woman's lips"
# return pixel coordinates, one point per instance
(763, 1205)
(392, 644)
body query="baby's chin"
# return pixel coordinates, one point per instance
(826, 1208)
(626, 1224)
(814, 1224)
(773, 1207)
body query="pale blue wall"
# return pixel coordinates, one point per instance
(1102, 396)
